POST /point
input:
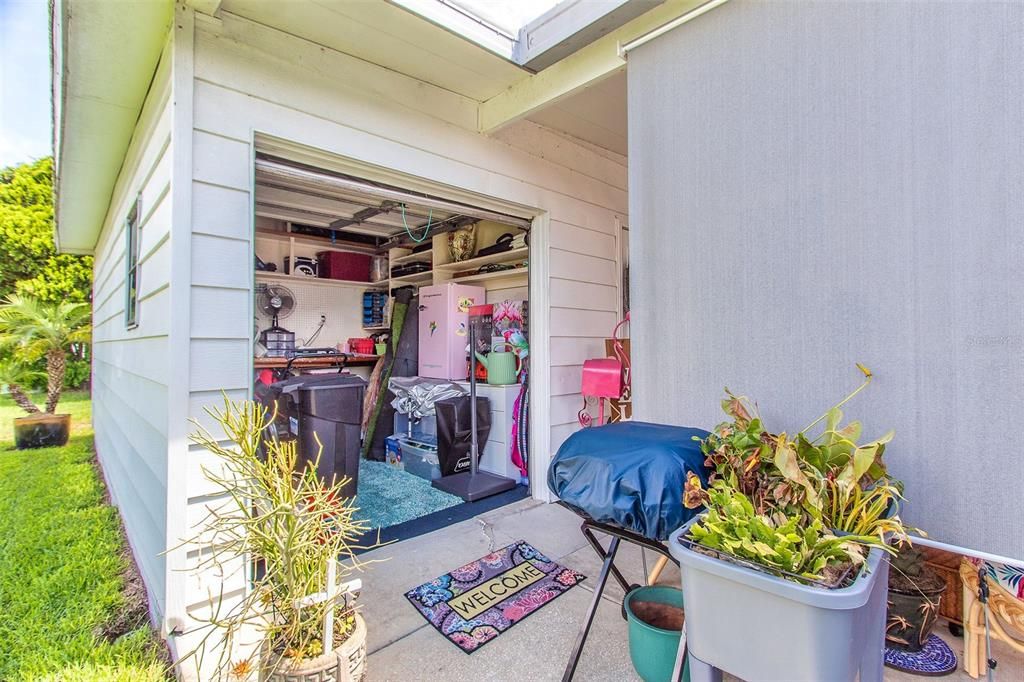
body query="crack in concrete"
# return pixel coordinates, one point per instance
(487, 529)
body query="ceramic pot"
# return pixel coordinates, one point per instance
(462, 243)
(913, 609)
(347, 663)
(42, 430)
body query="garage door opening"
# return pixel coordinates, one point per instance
(365, 297)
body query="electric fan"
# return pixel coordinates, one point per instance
(277, 302)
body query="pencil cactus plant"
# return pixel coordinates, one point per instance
(295, 528)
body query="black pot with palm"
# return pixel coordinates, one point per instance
(915, 592)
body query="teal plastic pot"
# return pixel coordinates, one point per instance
(653, 650)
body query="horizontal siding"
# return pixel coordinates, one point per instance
(253, 78)
(130, 370)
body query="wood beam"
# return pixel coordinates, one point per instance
(596, 61)
(207, 7)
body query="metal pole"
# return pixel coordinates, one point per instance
(472, 399)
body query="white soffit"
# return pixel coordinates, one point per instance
(105, 55)
(594, 114)
(388, 35)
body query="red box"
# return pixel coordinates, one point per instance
(354, 267)
(362, 346)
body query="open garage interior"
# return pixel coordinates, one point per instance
(366, 298)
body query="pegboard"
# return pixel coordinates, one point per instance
(343, 307)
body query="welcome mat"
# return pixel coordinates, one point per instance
(477, 602)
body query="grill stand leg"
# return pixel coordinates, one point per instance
(589, 535)
(602, 579)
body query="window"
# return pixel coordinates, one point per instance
(131, 261)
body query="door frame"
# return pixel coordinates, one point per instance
(539, 264)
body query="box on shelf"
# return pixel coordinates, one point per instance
(354, 267)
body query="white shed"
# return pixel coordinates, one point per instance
(158, 132)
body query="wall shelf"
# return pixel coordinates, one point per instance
(281, 278)
(414, 278)
(321, 243)
(483, 276)
(421, 257)
(509, 256)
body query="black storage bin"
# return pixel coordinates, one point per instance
(329, 408)
(454, 432)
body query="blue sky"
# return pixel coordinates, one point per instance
(24, 81)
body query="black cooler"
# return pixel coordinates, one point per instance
(331, 407)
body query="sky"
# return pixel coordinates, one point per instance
(24, 81)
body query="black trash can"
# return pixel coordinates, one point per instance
(328, 408)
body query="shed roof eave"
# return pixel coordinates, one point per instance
(99, 86)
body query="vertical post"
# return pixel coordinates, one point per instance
(332, 594)
(473, 445)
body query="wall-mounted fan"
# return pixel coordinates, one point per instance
(277, 302)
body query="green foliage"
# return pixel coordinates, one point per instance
(32, 330)
(287, 520)
(29, 262)
(825, 481)
(62, 561)
(809, 550)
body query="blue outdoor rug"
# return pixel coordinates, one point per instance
(388, 496)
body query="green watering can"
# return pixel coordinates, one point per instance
(502, 368)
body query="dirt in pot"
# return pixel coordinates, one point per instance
(656, 614)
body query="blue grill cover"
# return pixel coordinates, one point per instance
(630, 474)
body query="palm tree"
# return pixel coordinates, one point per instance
(16, 375)
(33, 330)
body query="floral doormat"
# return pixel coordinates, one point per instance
(477, 602)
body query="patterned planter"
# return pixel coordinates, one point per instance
(347, 663)
(913, 608)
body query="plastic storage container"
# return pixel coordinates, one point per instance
(417, 456)
(760, 627)
(425, 426)
(354, 267)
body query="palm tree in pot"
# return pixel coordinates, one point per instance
(32, 331)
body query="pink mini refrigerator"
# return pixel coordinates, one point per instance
(444, 329)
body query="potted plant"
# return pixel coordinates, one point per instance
(297, 532)
(915, 593)
(31, 331)
(793, 547)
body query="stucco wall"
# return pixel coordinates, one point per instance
(819, 183)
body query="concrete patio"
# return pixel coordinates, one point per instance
(403, 646)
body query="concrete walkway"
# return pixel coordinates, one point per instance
(403, 647)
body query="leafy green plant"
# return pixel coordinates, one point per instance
(32, 330)
(825, 481)
(289, 523)
(732, 525)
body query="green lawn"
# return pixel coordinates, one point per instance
(65, 612)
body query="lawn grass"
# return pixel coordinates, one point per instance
(65, 613)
